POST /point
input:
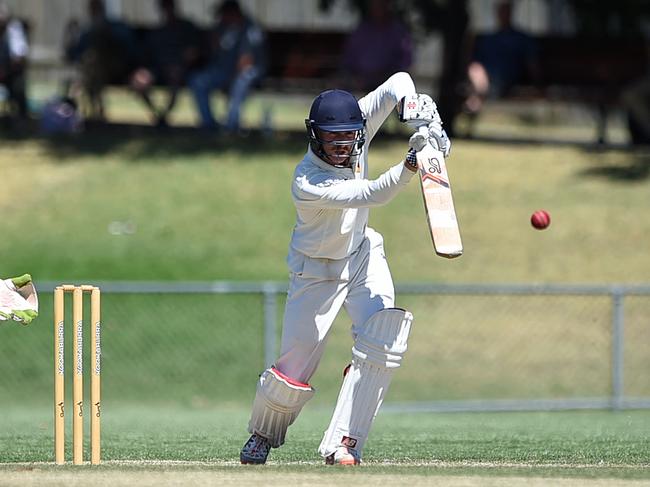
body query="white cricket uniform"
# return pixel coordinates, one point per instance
(334, 258)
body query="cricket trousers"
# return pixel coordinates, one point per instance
(318, 288)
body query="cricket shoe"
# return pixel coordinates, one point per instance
(343, 456)
(255, 451)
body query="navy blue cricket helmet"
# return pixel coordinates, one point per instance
(336, 111)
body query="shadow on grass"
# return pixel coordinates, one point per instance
(145, 143)
(636, 169)
(140, 143)
(148, 144)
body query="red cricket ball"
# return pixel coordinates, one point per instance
(540, 219)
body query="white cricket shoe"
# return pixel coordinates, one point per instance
(255, 451)
(343, 456)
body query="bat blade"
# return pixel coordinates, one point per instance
(439, 203)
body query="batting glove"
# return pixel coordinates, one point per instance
(419, 139)
(438, 138)
(418, 110)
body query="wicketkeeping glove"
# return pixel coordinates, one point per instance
(18, 299)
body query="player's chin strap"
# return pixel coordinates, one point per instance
(278, 402)
(378, 350)
(420, 112)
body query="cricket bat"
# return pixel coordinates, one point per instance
(438, 203)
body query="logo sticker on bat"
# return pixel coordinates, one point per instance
(434, 165)
(435, 179)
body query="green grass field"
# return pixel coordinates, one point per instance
(204, 209)
(419, 448)
(122, 205)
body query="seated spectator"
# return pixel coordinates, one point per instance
(13, 60)
(104, 50)
(237, 60)
(173, 49)
(380, 46)
(60, 116)
(500, 61)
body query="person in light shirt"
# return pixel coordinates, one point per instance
(337, 261)
(14, 50)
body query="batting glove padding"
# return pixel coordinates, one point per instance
(434, 134)
(438, 138)
(419, 139)
(418, 110)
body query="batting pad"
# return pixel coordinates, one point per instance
(377, 352)
(278, 402)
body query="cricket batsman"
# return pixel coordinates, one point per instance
(336, 260)
(18, 299)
